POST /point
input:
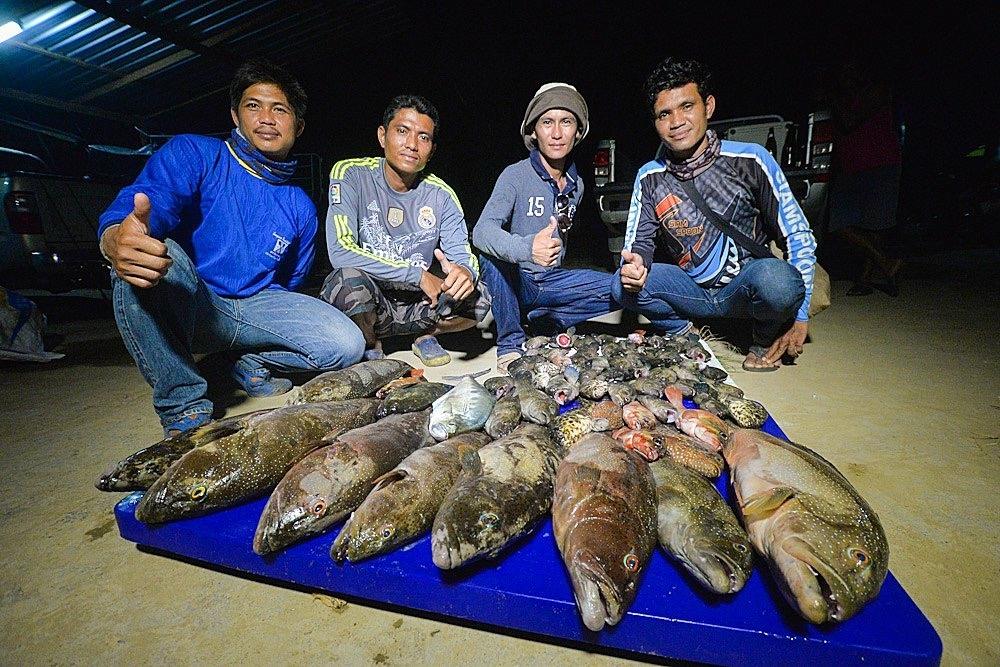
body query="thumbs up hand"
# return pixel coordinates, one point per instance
(633, 272)
(138, 258)
(545, 248)
(458, 282)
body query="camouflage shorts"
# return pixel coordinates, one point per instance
(398, 312)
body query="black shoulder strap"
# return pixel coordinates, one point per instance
(756, 249)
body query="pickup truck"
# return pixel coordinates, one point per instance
(48, 225)
(807, 167)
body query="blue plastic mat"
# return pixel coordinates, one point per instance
(526, 591)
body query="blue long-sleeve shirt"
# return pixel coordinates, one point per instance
(243, 234)
(747, 188)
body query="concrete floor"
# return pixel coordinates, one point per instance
(901, 394)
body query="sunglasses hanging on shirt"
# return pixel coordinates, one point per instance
(563, 218)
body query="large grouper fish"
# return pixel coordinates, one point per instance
(604, 521)
(504, 489)
(138, 471)
(697, 528)
(358, 381)
(330, 483)
(249, 462)
(822, 541)
(404, 501)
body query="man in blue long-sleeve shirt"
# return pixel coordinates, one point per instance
(715, 273)
(207, 248)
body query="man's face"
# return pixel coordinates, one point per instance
(408, 141)
(267, 120)
(681, 119)
(555, 132)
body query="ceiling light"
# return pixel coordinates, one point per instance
(9, 29)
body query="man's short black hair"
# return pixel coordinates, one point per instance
(258, 70)
(673, 73)
(417, 103)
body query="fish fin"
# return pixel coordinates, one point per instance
(472, 462)
(388, 478)
(827, 511)
(760, 505)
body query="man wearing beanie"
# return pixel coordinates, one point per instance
(526, 224)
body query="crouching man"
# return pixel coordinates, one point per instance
(207, 248)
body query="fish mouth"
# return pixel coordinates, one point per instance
(596, 597)
(715, 569)
(278, 529)
(814, 585)
(446, 552)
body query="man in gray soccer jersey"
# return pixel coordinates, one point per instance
(387, 223)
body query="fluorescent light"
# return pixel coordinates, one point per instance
(9, 29)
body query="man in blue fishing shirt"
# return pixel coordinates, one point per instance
(207, 248)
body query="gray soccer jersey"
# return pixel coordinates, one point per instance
(392, 235)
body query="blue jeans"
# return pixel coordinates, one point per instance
(555, 299)
(769, 291)
(164, 325)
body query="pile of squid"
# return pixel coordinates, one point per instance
(618, 439)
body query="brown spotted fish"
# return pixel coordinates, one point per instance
(505, 417)
(604, 521)
(404, 501)
(139, 470)
(697, 528)
(503, 491)
(248, 463)
(329, 483)
(357, 381)
(822, 541)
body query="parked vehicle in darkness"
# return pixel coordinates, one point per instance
(48, 225)
(807, 166)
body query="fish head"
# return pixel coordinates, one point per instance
(299, 506)
(829, 571)
(720, 558)
(179, 495)
(473, 526)
(383, 521)
(604, 585)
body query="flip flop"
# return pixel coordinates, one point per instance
(430, 352)
(759, 352)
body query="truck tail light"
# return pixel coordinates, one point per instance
(21, 209)
(822, 137)
(602, 163)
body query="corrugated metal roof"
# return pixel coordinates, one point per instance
(136, 59)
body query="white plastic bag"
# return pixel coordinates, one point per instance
(21, 328)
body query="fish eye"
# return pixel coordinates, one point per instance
(859, 555)
(742, 548)
(198, 492)
(318, 507)
(387, 531)
(489, 519)
(631, 562)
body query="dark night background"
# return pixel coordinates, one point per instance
(481, 63)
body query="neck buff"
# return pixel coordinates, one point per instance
(685, 170)
(256, 163)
